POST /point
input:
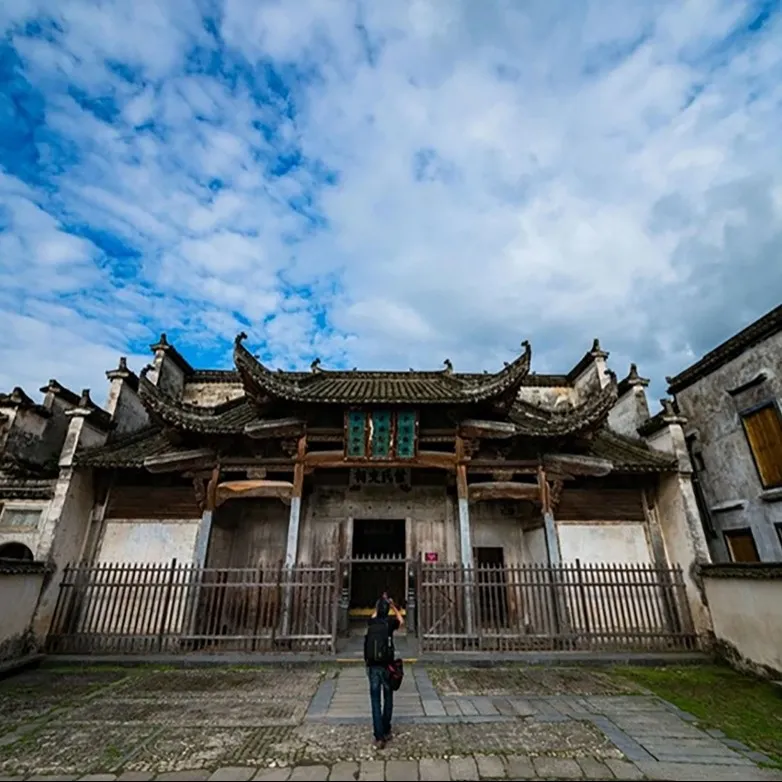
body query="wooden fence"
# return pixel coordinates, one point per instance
(571, 607)
(175, 608)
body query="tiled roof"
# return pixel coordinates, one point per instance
(227, 418)
(15, 488)
(18, 398)
(629, 454)
(761, 329)
(354, 387)
(534, 421)
(127, 450)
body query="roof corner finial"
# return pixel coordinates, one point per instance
(163, 339)
(84, 399)
(448, 366)
(667, 405)
(145, 370)
(240, 337)
(315, 365)
(611, 375)
(596, 346)
(525, 344)
(669, 379)
(633, 374)
(123, 364)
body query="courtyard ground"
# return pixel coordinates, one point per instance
(454, 722)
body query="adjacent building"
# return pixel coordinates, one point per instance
(731, 402)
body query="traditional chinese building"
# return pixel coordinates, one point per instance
(256, 468)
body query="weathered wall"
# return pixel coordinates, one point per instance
(20, 587)
(209, 394)
(745, 605)
(500, 525)
(730, 482)
(248, 533)
(28, 534)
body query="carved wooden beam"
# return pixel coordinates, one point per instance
(280, 427)
(336, 459)
(179, 460)
(232, 490)
(577, 465)
(487, 429)
(504, 490)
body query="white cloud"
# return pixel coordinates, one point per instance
(503, 171)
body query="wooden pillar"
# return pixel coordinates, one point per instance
(550, 529)
(205, 526)
(292, 544)
(465, 536)
(465, 533)
(294, 519)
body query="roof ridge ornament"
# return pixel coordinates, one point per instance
(315, 365)
(448, 366)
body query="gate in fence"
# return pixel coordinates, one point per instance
(571, 607)
(175, 608)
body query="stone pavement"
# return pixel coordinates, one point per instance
(278, 723)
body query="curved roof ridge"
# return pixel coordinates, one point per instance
(393, 387)
(538, 421)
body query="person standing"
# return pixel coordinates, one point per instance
(378, 655)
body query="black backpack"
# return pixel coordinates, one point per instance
(377, 644)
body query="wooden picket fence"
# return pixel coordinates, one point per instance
(570, 607)
(130, 608)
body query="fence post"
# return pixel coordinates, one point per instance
(166, 604)
(582, 595)
(411, 603)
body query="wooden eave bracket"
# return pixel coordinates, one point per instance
(179, 460)
(504, 490)
(281, 427)
(253, 489)
(572, 465)
(488, 430)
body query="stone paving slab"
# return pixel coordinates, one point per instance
(276, 723)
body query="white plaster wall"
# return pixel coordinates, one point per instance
(127, 410)
(635, 605)
(148, 541)
(18, 598)
(548, 396)
(745, 613)
(630, 411)
(535, 550)
(604, 542)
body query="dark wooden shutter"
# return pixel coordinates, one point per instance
(152, 502)
(600, 504)
(764, 433)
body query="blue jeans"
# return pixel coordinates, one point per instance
(379, 681)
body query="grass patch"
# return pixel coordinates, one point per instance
(742, 707)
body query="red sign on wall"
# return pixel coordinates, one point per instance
(431, 556)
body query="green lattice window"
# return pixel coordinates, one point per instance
(381, 434)
(357, 435)
(380, 439)
(405, 435)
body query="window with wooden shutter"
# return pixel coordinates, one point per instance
(741, 545)
(763, 427)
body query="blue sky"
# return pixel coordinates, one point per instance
(385, 184)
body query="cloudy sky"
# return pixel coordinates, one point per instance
(385, 184)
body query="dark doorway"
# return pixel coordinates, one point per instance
(492, 586)
(378, 566)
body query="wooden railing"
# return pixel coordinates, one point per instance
(570, 607)
(175, 608)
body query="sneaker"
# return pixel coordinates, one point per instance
(380, 744)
